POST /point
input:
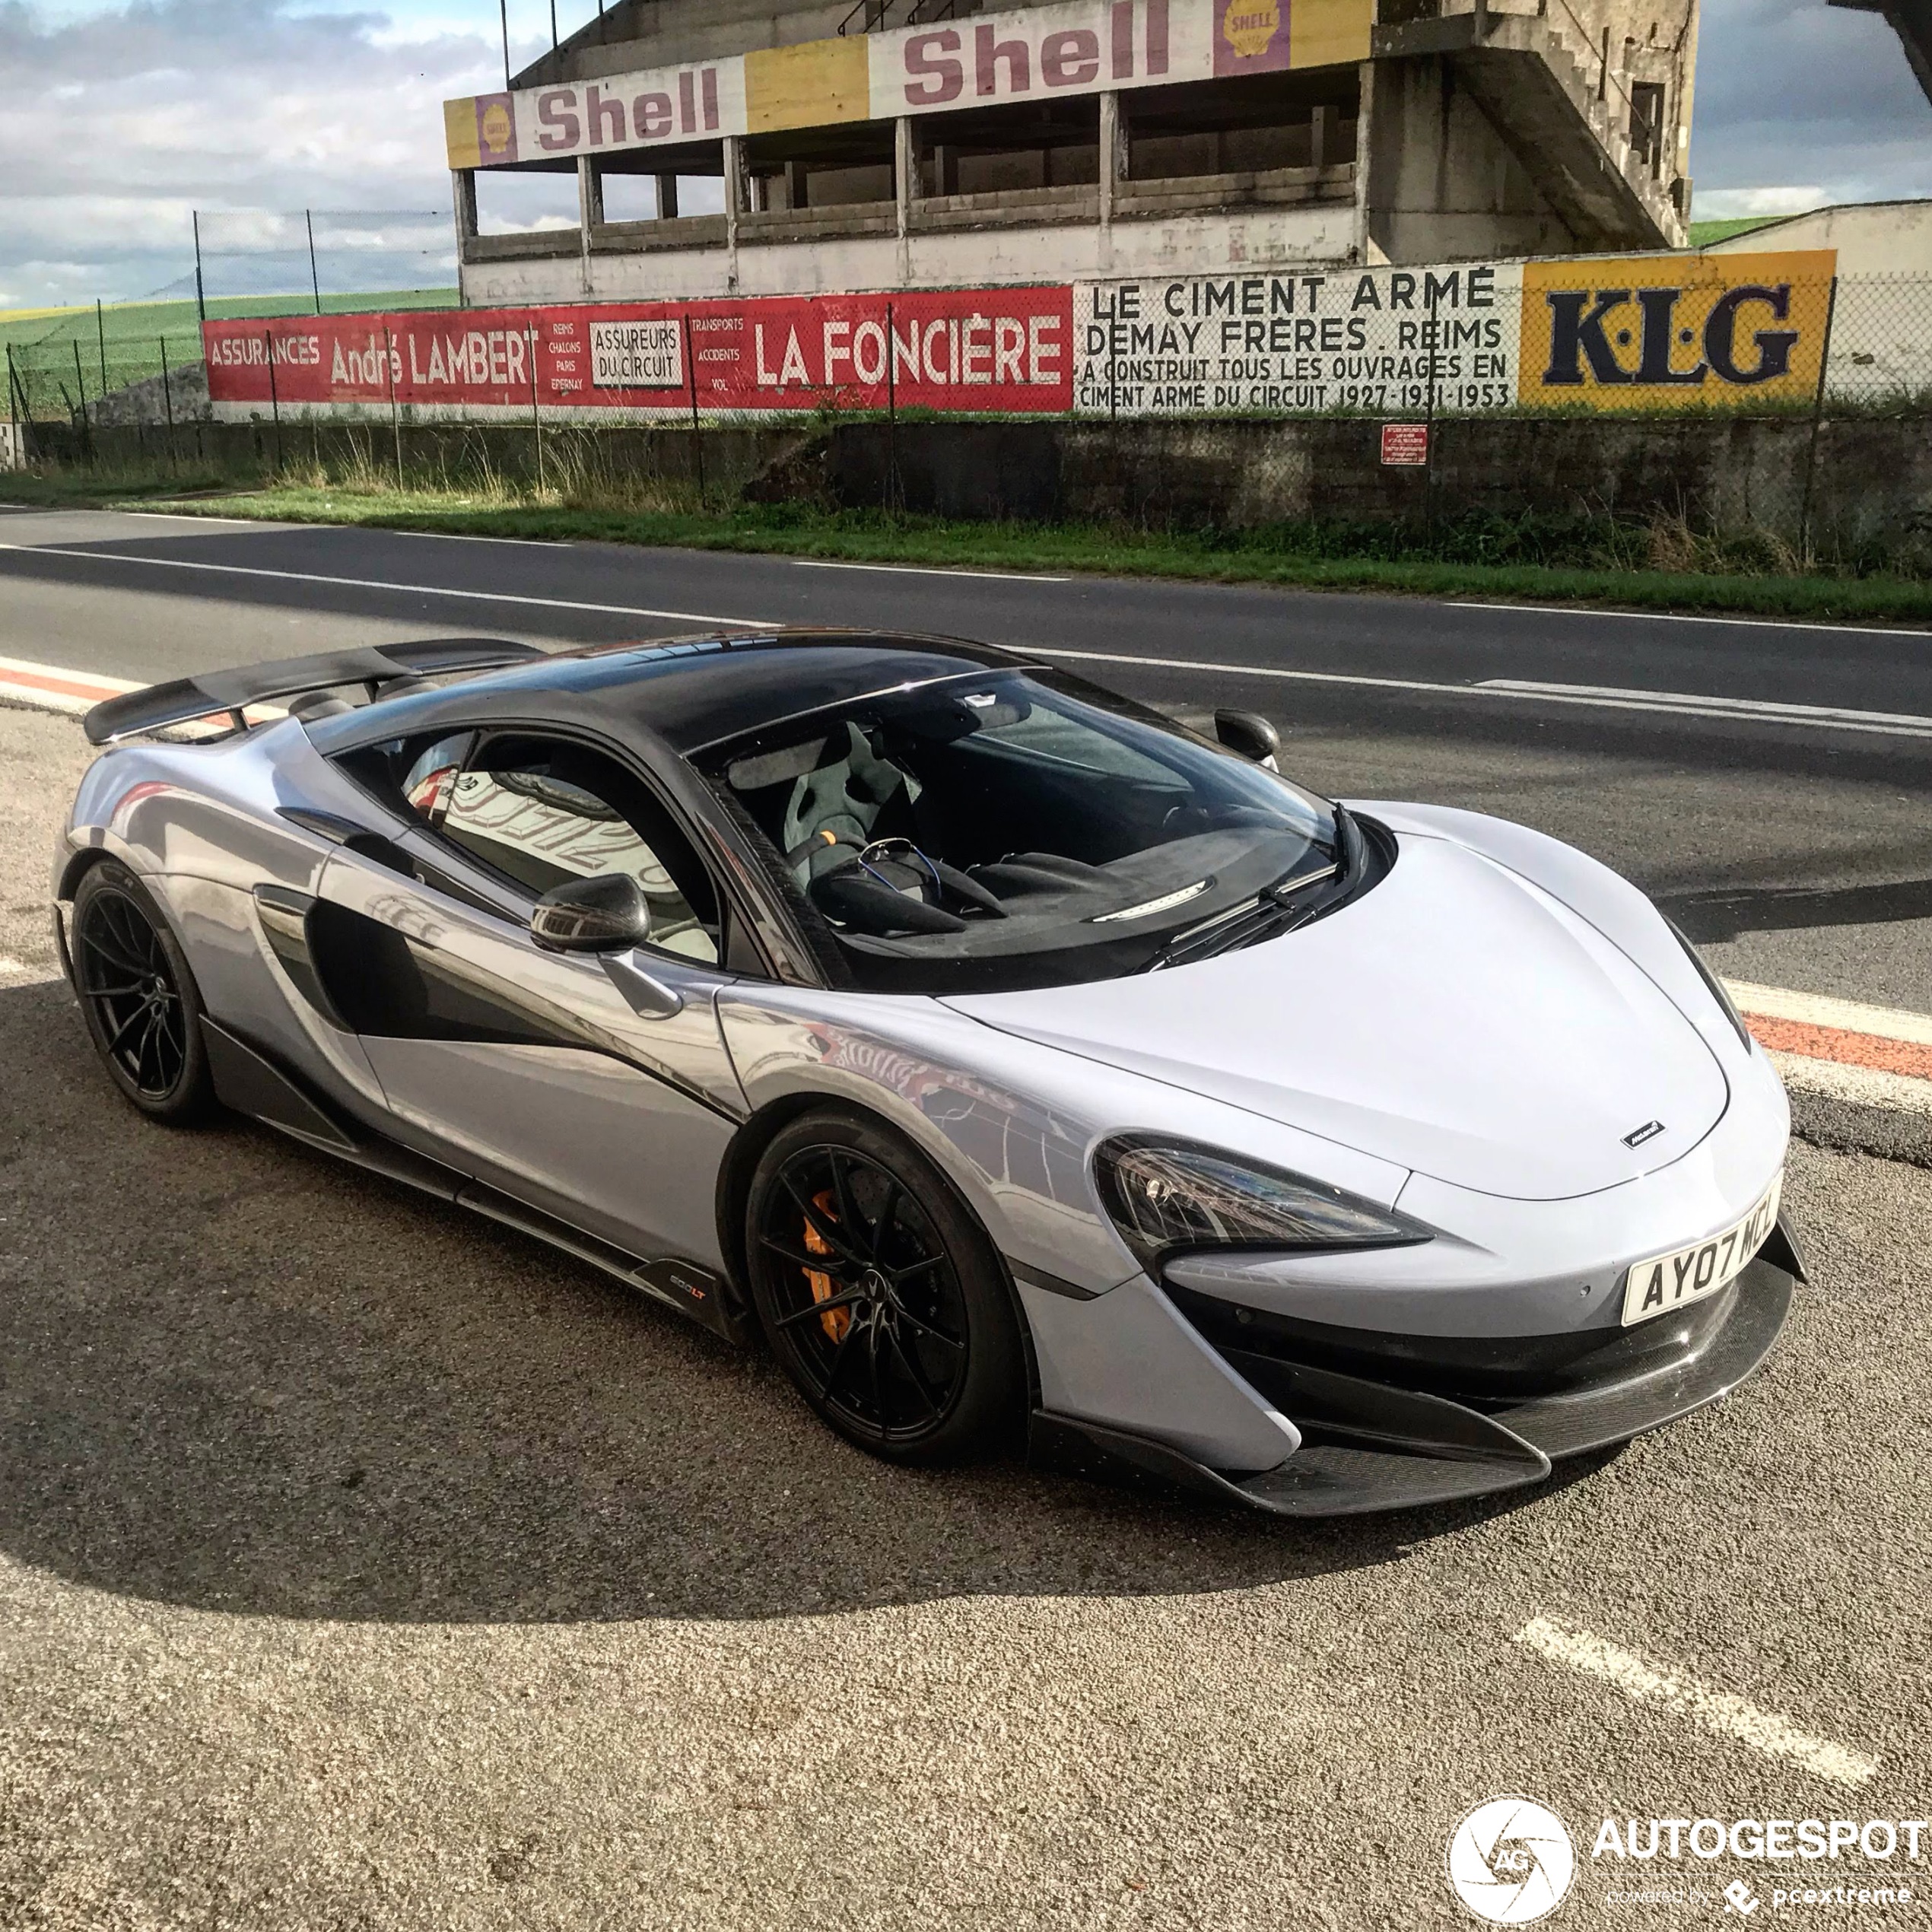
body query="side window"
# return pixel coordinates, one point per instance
(542, 810)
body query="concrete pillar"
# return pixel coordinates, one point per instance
(1113, 170)
(905, 189)
(798, 191)
(590, 210)
(1321, 136)
(735, 202)
(667, 197)
(946, 169)
(462, 200)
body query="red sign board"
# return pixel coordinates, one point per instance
(1004, 351)
(1406, 445)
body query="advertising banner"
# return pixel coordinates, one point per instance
(1462, 338)
(1308, 343)
(1675, 331)
(1076, 47)
(991, 351)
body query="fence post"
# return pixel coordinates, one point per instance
(274, 396)
(1429, 420)
(396, 408)
(13, 410)
(167, 398)
(201, 291)
(314, 275)
(895, 495)
(536, 417)
(100, 337)
(697, 434)
(1817, 416)
(81, 385)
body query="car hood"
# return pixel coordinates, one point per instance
(1456, 1019)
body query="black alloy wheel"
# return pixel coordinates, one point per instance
(879, 1293)
(143, 1009)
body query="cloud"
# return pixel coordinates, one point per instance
(115, 124)
(120, 117)
(1799, 104)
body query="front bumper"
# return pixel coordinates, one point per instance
(1396, 1422)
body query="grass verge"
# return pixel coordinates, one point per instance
(1647, 567)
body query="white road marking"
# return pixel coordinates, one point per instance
(1819, 1009)
(927, 569)
(456, 536)
(1863, 1086)
(376, 583)
(1905, 724)
(189, 516)
(1675, 703)
(1686, 617)
(1716, 1710)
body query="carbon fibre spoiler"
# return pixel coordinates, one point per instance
(158, 706)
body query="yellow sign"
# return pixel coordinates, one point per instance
(1250, 28)
(817, 84)
(1681, 332)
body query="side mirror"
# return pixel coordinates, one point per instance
(1249, 733)
(609, 914)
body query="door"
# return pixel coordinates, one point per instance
(598, 1090)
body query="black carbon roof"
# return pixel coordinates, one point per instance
(691, 693)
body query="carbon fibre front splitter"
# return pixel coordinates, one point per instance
(1369, 1447)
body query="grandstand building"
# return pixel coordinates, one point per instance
(792, 147)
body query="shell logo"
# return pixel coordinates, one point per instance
(1249, 26)
(498, 129)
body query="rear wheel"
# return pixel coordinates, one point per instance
(881, 1295)
(143, 1009)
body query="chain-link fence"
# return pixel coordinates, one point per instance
(1504, 402)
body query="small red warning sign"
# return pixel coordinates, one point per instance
(1406, 445)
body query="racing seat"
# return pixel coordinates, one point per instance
(855, 793)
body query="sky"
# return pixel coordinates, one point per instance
(118, 117)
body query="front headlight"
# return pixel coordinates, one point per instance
(1167, 1197)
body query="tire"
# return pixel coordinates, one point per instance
(142, 1007)
(904, 1336)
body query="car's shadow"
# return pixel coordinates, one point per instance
(237, 1377)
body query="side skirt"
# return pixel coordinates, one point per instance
(251, 1082)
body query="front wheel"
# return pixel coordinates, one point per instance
(143, 1009)
(881, 1295)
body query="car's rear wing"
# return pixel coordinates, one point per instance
(156, 707)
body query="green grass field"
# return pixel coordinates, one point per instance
(1594, 563)
(1703, 233)
(145, 322)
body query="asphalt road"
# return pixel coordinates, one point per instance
(1797, 848)
(364, 1566)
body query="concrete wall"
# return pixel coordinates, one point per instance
(1872, 238)
(1872, 482)
(1440, 184)
(969, 255)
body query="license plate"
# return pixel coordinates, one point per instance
(1666, 1281)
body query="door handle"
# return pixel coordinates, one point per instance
(648, 997)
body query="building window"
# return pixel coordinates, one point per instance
(1646, 123)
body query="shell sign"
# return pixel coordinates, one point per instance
(1069, 47)
(1251, 36)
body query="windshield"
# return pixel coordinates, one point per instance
(1014, 829)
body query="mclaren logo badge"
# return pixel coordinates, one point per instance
(1648, 1131)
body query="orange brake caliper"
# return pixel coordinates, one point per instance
(834, 1321)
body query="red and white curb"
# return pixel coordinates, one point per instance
(1842, 1049)
(52, 687)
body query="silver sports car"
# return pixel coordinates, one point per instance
(1008, 1056)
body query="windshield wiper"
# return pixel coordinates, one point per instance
(1275, 910)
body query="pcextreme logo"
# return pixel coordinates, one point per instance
(1510, 1861)
(1675, 331)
